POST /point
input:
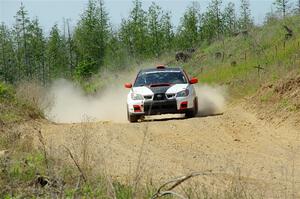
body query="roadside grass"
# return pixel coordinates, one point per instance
(264, 47)
(16, 109)
(266, 97)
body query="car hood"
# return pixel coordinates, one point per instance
(145, 90)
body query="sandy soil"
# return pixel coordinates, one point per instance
(231, 144)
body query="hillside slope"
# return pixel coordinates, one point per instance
(245, 62)
(262, 66)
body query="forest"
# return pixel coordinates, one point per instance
(77, 53)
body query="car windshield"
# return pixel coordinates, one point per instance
(160, 77)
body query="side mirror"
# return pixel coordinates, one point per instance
(128, 85)
(193, 80)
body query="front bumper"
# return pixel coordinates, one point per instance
(160, 107)
(157, 107)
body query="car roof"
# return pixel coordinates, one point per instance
(161, 69)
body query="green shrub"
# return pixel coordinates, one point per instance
(6, 92)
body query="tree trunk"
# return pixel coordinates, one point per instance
(3, 58)
(284, 8)
(70, 49)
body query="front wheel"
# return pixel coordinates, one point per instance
(192, 113)
(132, 118)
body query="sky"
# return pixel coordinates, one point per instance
(50, 12)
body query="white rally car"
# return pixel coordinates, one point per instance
(161, 90)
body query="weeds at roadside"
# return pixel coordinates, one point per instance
(14, 109)
(140, 164)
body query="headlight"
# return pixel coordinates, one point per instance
(183, 93)
(135, 96)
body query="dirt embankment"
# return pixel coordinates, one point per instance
(278, 102)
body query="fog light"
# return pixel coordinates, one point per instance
(183, 105)
(137, 108)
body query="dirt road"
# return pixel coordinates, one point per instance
(231, 144)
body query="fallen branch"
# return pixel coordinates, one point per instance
(76, 163)
(289, 33)
(42, 141)
(176, 182)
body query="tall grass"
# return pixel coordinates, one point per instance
(264, 46)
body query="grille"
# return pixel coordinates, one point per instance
(160, 107)
(159, 96)
(148, 97)
(163, 106)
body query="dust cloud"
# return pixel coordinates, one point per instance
(71, 104)
(211, 99)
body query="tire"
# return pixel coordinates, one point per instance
(132, 118)
(192, 113)
(196, 106)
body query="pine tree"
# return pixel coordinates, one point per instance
(91, 36)
(229, 19)
(189, 29)
(71, 49)
(36, 52)
(155, 45)
(134, 30)
(7, 58)
(103, 28)
(283, 6)
(21, 38)
(56, 55)
(117, 55)
(245, 20)
(212, 24)
(126, 37)
(167, 31)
